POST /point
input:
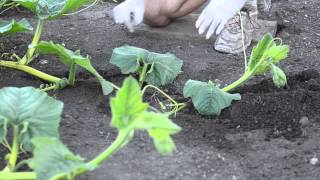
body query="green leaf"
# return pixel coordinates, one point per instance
(69, 58)
(277, 53)
(85, 63)
(51, 158)
(65, 55)
(127, 105)
(129, 113)
(207, 98)
(31, 108)
(51, 9)
(267, 52)
(12, 27)
(160, 128)
(259, 51)
(128, 58)
(29, 4)
(3, 129)
(164, 68)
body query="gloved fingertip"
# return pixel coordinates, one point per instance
(197, 24)
(208, 35)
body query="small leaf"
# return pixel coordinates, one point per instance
(69, 57)
(33, 107)
(12, 27)
(259, 51)
(127, 105)
(277, 53)
(165, 68)
(51, 9)
(279, 77)
(51, 158)
(29, 4)
(207, 98)
(128, 58)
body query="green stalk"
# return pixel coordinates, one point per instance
(72, 74)
(246, 77)
(36, 38)
(30, 70)
(14, 154)
(18, 176)
(143, 73)
(96, 162)
(116, 145)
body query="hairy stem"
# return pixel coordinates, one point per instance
(177, 106)
(72, 74)
(30, 70)
(143, 73)
(246, 76)
(18, 176)
(14, 154)
(32, 47)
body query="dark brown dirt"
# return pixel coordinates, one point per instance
(258, 138)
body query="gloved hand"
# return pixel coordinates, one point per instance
(217, 13)
(130, 13)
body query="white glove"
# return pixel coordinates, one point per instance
(217, 13)
(130, 13)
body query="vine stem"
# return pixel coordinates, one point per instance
(178, 106)
(30, 70)
(32, 47)
(14, 154)
(18, 176)
(142, 77)
(243, 43)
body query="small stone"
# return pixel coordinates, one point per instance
(43, 61)
(304, 121)
(314, 161)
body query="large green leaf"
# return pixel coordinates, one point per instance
(11, 27)
(32, 109)
(129, 113)
(51, 9)
(69, 58)
(51, 158)
(207, 98)
(128, 58)
(29, 4)
(164, 68)
(127, 105)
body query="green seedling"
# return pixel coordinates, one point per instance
(35, 119)
(49, 10)
(209, 99)
(154, 69)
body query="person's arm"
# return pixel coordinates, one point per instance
(217, 13)
(129, 12)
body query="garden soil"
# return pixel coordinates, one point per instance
(270, 134)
